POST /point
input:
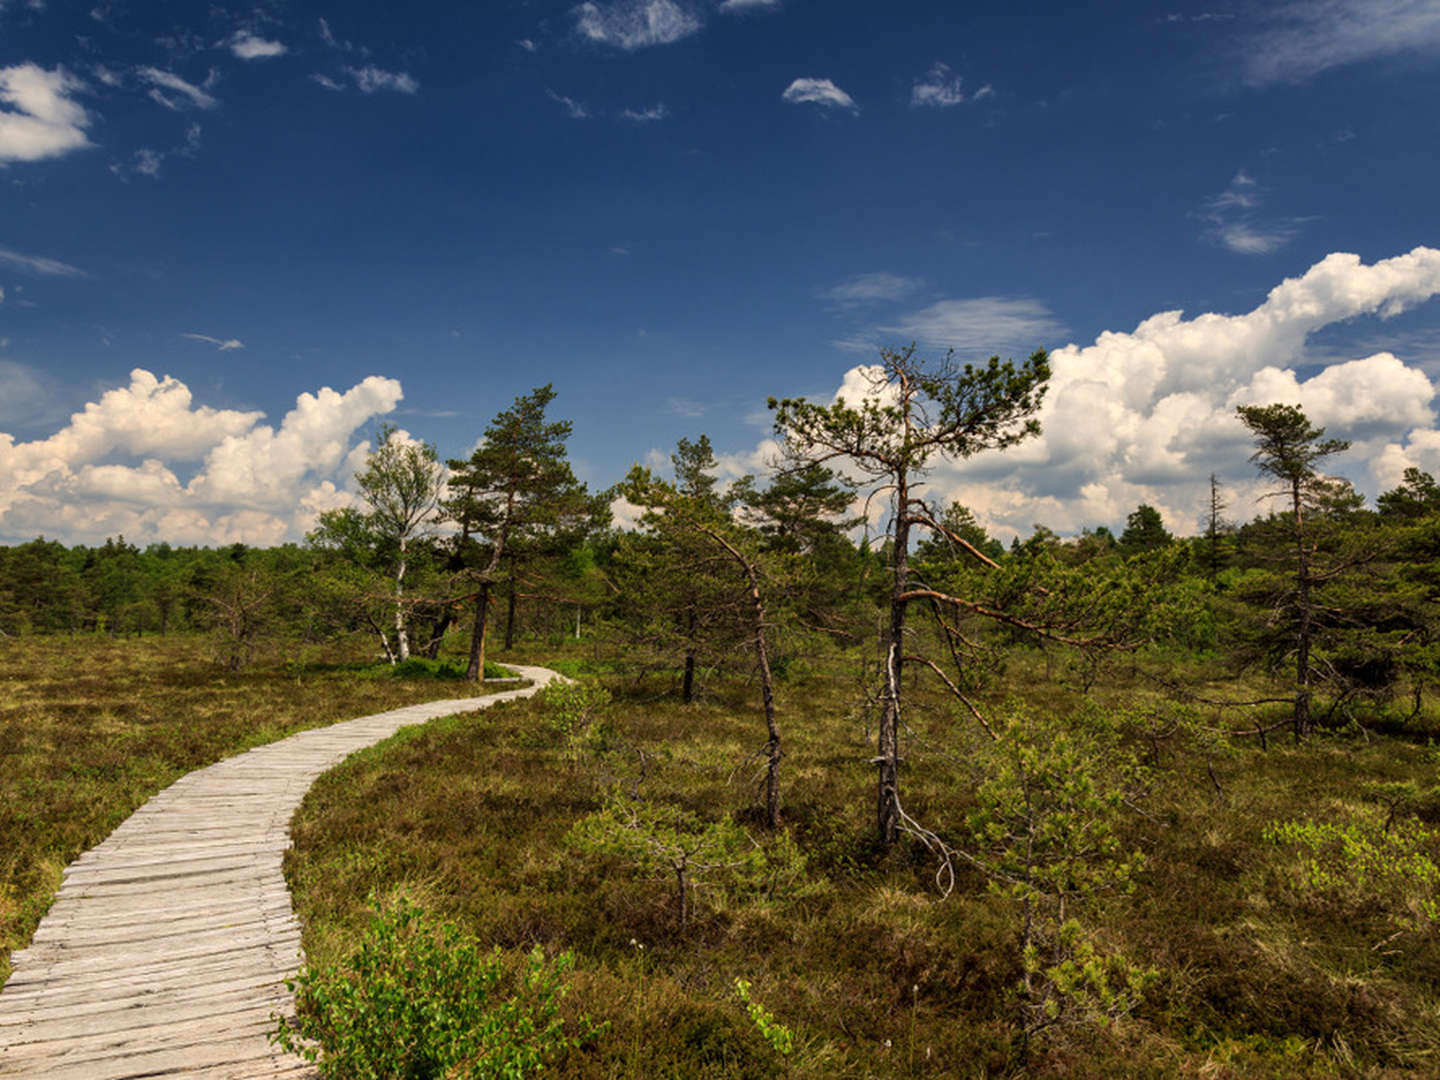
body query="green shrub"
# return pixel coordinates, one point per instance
(668, 843)
(780, 1038)
(1356, 866)
(417, 1001)
(572, 707)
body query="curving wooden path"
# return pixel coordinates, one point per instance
(168, 945)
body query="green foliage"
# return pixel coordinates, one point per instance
(1417, 497)
(1046, 836)
(1362, 865)
(572, 706)
(1071, 981)
(419, 667)
(1287, 445)
(1144, 530)
(419, 1001)
(780, 1038)
(668, 842)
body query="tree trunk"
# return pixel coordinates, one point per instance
(510, 618)
(887, 758)
(402, 639)
(438, 630)
(767, 693)
(1303, 722)
(682, 899)
(688, 688)
(475, 672)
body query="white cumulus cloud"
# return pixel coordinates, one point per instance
(248, 46)
(112, 467)
(1147, 415)
(40, 117)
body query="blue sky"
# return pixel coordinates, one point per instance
(672, 209)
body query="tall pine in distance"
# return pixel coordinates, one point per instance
(513, 490)
(1288, 448)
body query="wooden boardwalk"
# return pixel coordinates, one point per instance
(168, 944)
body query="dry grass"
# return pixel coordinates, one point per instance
(875, 973)
(90, 727)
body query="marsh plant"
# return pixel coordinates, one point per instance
(422, 1001)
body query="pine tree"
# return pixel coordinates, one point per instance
(1288, 448)
(514, 489)
(913, 414)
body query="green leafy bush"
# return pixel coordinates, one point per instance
(572, 707)
(780, 1038)
(417, 1001)
(1355, 866)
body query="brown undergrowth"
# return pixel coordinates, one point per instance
(871, 969)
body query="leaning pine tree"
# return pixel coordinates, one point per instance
(913, 413)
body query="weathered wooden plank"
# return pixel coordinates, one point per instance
(167, 947)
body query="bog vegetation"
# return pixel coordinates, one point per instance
(923, 805)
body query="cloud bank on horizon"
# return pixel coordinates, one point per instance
(1139, 416)
(1147, 416)
(112, 469)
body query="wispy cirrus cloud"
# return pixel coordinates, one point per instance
(942, 90)
(1297, 41)
(182, 94)
(1236, 225)
(576, 110)
(148, 162)
(657, 111)
(872, 288)
(982, 325)
(820, 92)
(40, 117)
(635, 24)
(370, 79)
(748, 5)
(38, 264)
(684, 407)
(221, 344)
